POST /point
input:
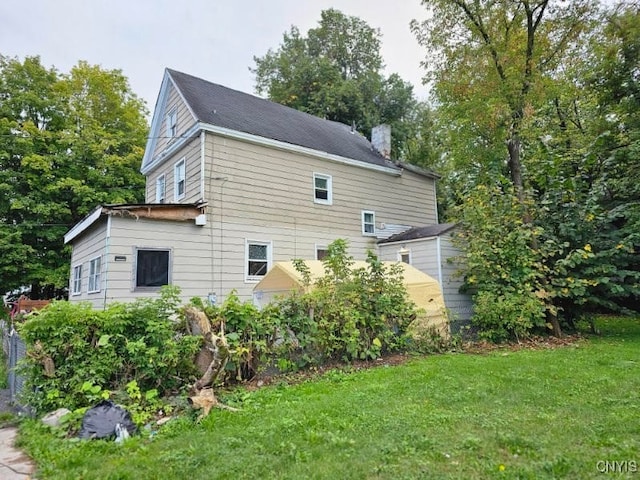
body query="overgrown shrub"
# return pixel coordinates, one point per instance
(351, 313)
(502, 268)
(506, 316)
(77, 355)
(249, 332)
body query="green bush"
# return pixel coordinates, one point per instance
(507, 316)
(77, 355)
(351, 313)
(249, 334)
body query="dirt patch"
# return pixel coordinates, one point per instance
(474, 348)
(533, 343)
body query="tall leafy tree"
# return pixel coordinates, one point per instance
(67, 143)
(492, 62)
(335, 72)
(539, 101)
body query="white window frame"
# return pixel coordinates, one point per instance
(180, 175)
(76, 280)
(161, 188)
(256, 278)
(329, 179)
(172, 123)
(95, 274)
(402, 252)
(321, 247)
(371, 223)
(143, 288)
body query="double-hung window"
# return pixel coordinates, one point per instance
(76, 285)
(152, 268)
(322, 189)
(368, 222)
(257, 260)
(180, 180)
(172, 124)
(95, 267)
(161, 188)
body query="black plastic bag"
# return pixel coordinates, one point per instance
(101, 420)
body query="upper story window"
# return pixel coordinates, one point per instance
(161, 188)
(172, 123)
(322, 191)
(95, 267)
(76, 285)
(180, 180)
(368, 222)
(257, 260)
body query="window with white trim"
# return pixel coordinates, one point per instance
(257, 260)
(368, 222)
(161, 187)
(322, 189)
(76, 284)
(152, 268)
(404, 255)
(172, 123)
(95, 267)
(321, 252)
(180, 180)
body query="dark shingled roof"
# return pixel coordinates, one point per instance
(420, 232)
(227, 108)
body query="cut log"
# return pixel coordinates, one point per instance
(206, 400)
(210, 360)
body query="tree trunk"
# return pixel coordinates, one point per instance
(515, 166)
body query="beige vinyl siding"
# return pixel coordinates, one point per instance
(91, 245)
(190, 258)
(185, 120)
(424, 254)
(267, 195)
(271, 186)
(286, 243)
(191, 153)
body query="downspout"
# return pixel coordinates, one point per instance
(106, 262)
(202, 165)
(435, 200)
(439, 255)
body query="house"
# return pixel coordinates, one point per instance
(430, 250)
(235, 183)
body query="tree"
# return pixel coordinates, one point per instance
(493, 62)
(334, 72)
(68, 142)
(526, 92)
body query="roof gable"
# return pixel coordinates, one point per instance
(225, 108)
(159, 113)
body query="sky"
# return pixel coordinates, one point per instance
(215, 40)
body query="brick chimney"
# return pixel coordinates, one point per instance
(381, 140)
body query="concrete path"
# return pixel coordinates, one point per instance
(14, 464)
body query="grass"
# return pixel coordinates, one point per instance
(528, 414)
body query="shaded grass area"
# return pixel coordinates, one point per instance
(530, 414)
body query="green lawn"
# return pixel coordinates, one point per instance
(531, 414)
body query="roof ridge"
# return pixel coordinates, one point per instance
(255, 97)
